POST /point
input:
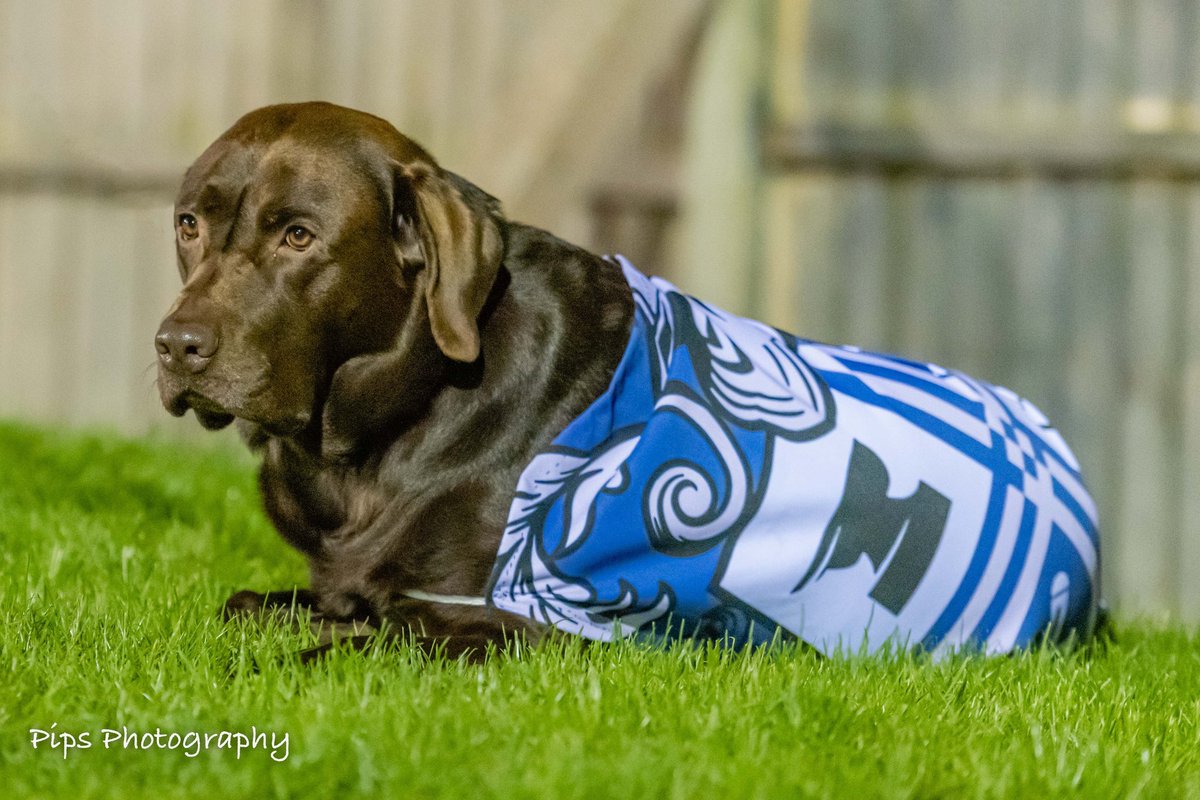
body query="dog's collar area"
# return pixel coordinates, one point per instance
(448, 599)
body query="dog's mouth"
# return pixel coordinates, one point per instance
(214, 415)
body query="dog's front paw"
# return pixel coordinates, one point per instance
(285, 604)
(242, 605)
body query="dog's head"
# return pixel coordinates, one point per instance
(308, 235)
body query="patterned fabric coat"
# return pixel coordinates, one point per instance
(737, 482)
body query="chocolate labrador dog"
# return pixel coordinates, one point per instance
(476, 432)
(392, 345)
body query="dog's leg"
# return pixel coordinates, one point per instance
(439, 631)
(473, 648)
(293, 608)
(319, 652)
(451, 632)
(460, 631)
(283, 603)
(287, 605)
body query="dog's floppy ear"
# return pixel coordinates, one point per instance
(458, 234)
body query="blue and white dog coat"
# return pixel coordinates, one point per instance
(735, 481)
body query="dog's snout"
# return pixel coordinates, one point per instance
(185, 346)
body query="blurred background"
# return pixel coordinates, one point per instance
(1012, 189)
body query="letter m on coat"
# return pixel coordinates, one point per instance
(898, 535)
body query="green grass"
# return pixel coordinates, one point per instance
(117, 554)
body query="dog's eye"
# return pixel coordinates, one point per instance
(188, 227)
(298, 237)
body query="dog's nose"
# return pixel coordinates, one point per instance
(185, 346)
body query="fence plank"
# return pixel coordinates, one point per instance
(1148, 520)
(924, 218)
(155, 289)
(1095, 372)
(807, 231)
(35, 283)
(860, 264)
(10, 332)
(1187, 559)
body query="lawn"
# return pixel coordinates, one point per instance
(117, 555)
